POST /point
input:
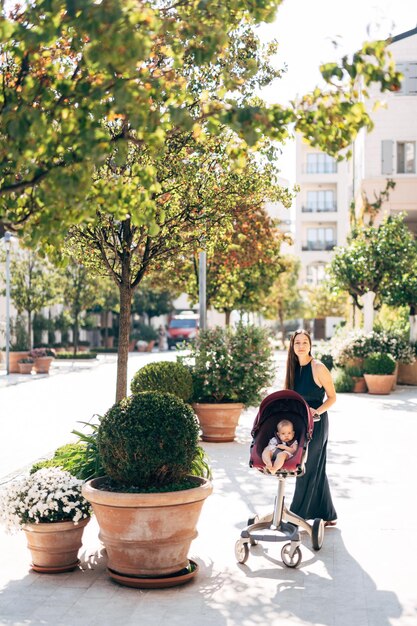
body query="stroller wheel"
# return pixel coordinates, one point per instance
(241, 551)
(317, 533)
(287, 559)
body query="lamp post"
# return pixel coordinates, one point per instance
(7, 238)
(202, 289)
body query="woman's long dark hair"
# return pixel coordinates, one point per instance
(292, 358)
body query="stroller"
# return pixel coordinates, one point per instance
(281, 525)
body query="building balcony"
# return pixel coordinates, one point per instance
(330, 207)
(318, 246)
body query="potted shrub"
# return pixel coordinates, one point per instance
(43, 358)
(231, 369)
(343, 382)
(379, 373)
(407, 369)
(167, 376)
(156, 480)
(49, 507)
(356, 373)
(26, 365)
(143, 338)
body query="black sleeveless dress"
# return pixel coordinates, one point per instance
(312, 493)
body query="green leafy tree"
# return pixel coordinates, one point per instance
(198, 188)
(284, 301)
(322, 301)
(243, 259)
(34, 285)
(79, 78)
(373, 259)
(152, 301)
(81, 293)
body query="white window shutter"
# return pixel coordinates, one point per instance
(387, 156)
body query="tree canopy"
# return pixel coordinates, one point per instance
(80, 77)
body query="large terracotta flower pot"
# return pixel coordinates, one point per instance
(380, 384)
(42, 364)
(14, 358)
(407, 373)
(147, 534)
(218, 421)
(54, 546)
(360, 384)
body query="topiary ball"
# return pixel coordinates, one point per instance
(148, 440)
(166, 376)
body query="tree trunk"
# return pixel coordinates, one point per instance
(30, 330)
(75, 334)
(125, 293)
(413, 325)
(281, 323)
(228, 313)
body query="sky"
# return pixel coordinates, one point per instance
(307, 31)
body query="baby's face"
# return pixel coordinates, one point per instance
(286, 433)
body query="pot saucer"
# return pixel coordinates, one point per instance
(55, 570)
(159, 582)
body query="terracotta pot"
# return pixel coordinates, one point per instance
(25, 368)
(360, 384)
(407, 373)
(54, 547)
(380, 384)
(147, 534)
(218, 421)
(42, 364)
(14, 358)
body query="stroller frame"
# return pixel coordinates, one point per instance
(282, 525)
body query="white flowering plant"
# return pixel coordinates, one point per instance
(49, 495)
(357, 344)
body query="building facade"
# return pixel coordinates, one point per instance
(389, 151)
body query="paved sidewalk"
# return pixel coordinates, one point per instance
(365, 574)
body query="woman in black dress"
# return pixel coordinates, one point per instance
(313, 381)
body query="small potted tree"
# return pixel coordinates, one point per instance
(148, 503)
(379, 373)
(231, 369)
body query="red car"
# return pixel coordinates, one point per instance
(182, 327)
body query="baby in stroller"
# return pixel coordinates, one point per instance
(281, 412)
(280, 447)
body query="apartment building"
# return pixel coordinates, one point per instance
(327, 187)
(321, 220)
(389, 151)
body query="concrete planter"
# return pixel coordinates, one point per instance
(14, 358)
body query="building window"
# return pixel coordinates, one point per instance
(320, 201)
(316, 273)
(320, 163)
(406, 157)
(320, 239)
(409, 83)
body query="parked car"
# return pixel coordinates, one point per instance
(182, 327)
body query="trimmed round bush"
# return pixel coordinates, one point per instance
(165, 376)
(148, 440)
(379, 363)
(343, 382)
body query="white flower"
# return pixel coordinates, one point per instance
(49, 495)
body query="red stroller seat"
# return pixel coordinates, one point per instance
(284, 524)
